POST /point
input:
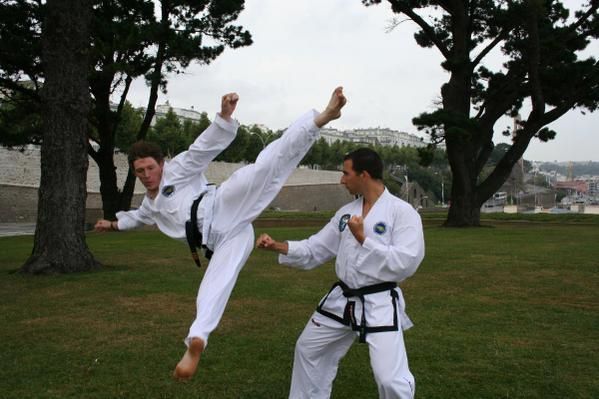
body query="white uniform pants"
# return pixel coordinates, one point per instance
(324, 342)
(237, 203)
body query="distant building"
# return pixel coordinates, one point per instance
(369, 136)
(593, 186)
(579, 186)
(162, 109)
(183, 113)
(373, 136)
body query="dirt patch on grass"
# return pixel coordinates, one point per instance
(156, 303)
(251, 314)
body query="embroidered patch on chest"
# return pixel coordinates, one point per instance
(167, 191)
(380, 228)
(343, 221)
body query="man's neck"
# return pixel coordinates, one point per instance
(373, 192)
(152, 194)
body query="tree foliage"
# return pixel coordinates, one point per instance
(129, 39)
(543, 75)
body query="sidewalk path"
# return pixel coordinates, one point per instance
(16, 229)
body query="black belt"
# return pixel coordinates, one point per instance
(193, 234)
(348, 318)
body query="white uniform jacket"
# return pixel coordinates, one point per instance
(391, 252)
(182, 182)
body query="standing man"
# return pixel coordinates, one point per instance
(378, 241)
(183, 206)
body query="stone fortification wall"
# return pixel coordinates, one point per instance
(313, 197)
(305, 190)
(23, 168)
(18, 204)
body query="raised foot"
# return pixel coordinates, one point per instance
(333, 109)
(188, 364)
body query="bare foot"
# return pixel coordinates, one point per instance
(333, 109)
(189, 362)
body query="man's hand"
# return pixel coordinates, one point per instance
(333, 109)
(227, 105)
(266, 242)
(105, 225)
(356, 226)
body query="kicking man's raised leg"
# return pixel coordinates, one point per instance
(239, 200)
(244, 195)
(230, 254)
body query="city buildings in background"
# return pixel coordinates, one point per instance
(544, 189)
(373, 136)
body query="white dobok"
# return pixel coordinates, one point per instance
(365, 303)
(225, 213)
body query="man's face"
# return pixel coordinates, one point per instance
(350, 179)
(149, 172)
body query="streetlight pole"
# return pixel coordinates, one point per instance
(534, 188)
(442, 191)
(407, 189)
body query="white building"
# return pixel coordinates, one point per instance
(374, 136)
(182, 113)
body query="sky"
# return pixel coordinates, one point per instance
(303, 49)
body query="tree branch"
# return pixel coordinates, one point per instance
(583, 18)
(119, 110)
(92, 153)
(534, 59)
(490, 47)
(16, 87)
(430, 32)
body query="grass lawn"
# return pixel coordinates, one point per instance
(506, 311)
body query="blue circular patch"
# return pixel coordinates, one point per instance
(380, 228)
(343, 221)
(167, 191)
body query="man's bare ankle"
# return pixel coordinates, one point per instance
(196, 345)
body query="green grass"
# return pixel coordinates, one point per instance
(508, 311)
(432, 216)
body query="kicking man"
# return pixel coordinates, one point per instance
(184, 206)
(378, 241)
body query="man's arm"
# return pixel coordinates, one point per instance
(211, 142)
(106, 225)
(228, 104)
(400, 258)
(266, 242)
(308, 253)
(126, 220)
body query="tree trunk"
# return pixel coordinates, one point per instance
(127, 193)
(108, 183)
(59, 243)
(155, 80)
(464, 210)
(462, 149)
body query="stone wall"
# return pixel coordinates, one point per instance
(18, 204)
(22, 168)
(305, 190)
(322, 197)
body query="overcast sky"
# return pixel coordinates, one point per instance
(303, 49)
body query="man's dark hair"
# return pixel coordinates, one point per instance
(366, 160)
(143, 149)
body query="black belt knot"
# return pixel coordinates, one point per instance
(193, 234)
(348, 316)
